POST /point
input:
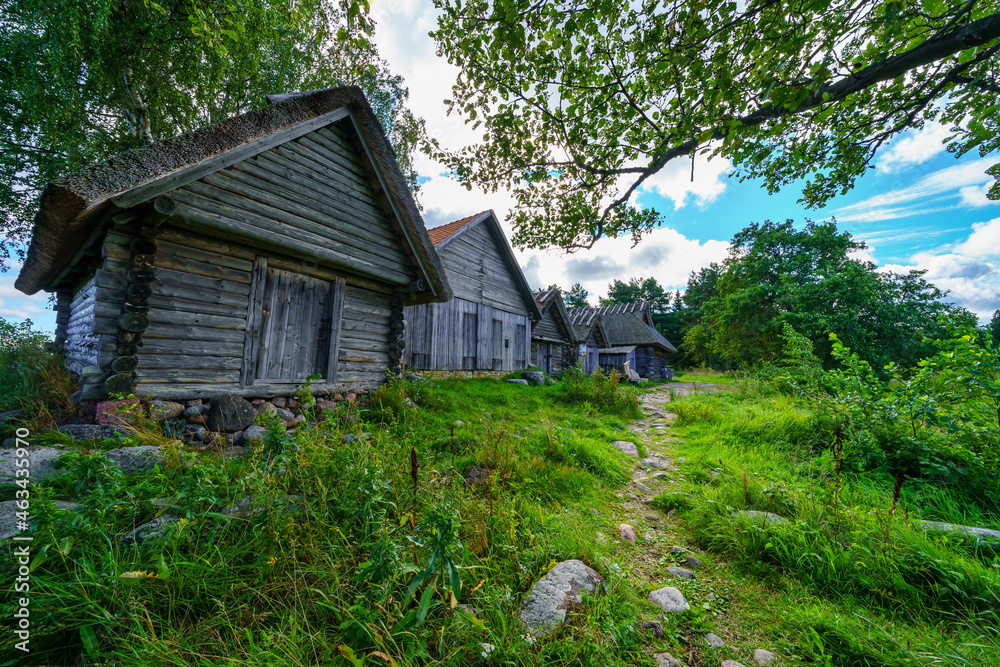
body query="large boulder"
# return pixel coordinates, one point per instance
(163, 410)
(940, 526)
(535, 378)
(669, 599)
(626, 447)
(230, 413)
(763, 517)
(556, 593)
(9, 416)
(40, 464)
(8, 516)
(132, 460)
(120, 412)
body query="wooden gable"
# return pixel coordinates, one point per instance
(481, 267)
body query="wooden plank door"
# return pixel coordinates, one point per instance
(497, 344)
(293, 326)
(470, 331)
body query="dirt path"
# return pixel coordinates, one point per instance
(667, 558)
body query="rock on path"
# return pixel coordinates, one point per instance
(132, 460)
(626, 447)
(557, 592)
(669, 599)
(40, 463)
(763, 657)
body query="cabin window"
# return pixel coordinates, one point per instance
(293, 326)
(470, 327)
(497, 343)
(519, 347)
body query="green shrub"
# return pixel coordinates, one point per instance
(604, 392)
(32, 377)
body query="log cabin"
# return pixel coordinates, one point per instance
(554, 342)
(274, 247)
(591, 331)
(631, 337)
(487, 325)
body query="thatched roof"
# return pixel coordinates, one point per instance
(72, 208)
(552, 298)
(625, 323)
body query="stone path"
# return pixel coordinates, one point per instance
(649, 526)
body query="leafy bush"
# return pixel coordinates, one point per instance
(32, 377)
(604, 392)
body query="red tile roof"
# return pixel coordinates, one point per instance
(439, 234)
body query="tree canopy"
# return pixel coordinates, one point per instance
(582, 101)
(638, 289)
(576, 297)
(84, 81)
(807, 278)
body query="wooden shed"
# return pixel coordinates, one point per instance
(554, 343)
(593, 336)
(242, 258)
(631, 337)
(487, 326)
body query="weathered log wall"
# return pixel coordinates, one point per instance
(437, 332)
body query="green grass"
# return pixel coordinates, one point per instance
(851, 580)
(305, 583)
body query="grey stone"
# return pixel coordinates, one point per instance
(9, 442)
(40, 464)
(517, 381)
(348, 438)
(279, 402)
(650, 462)
(681, 572)
(131, 460)
(655, 626)
(196, 431)
(198, 420)
(557, 592)
(195, 410)
(415, 378)
(660, 475)
(458, 422)
(163, 410)
(7, 416)
(764, 517)
(715, 641)
(8, 516)
(593, 511)
(83, 432)
(535, 378)
(193, 401)
(956, 528)
(151, 530)
(254, 434)
(763, 657)
(731, 663)
(627, 532)
(642, 487)
(487, 415)
(234, 439)
(230, 413)
(669, 599)
(285, 415)
(667, 660)
(626, 447)
(691, 561)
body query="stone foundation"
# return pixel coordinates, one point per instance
(461, 375)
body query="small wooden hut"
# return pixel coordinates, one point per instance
(554, 343)
(590, 330)
(631, 337)
(244, 258)
(487, 326)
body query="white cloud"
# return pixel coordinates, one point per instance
(913, 147)
(674, 181)
(15, 306)
(970, 270)
(938, 191)
(975, 195)
(664, 254)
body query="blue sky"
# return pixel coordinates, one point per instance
(919, 208)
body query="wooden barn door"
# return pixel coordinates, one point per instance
(470, 329)
(293, 326)
(496, 341)
(520, 347)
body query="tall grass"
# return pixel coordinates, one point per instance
(32, 377)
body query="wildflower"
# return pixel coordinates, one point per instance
(272, 560)
(487, 649)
